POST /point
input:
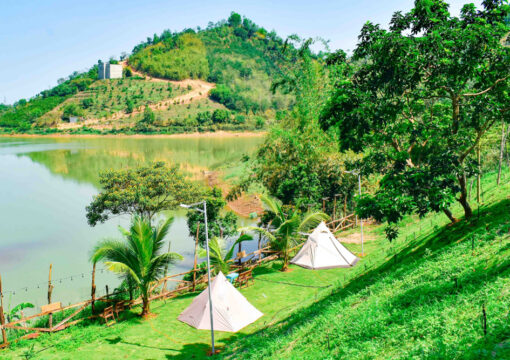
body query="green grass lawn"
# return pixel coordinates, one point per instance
(420, 297)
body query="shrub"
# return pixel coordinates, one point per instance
(220, 116)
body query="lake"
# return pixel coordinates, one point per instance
(45, 185)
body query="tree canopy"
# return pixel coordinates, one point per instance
(417, 99)
(142, 191)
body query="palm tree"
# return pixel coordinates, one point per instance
(138, 255)
(220, 256)
(284, 228)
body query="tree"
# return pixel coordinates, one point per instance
(139, 256)
(129, 106)
(417, 99)
(71, 109)
(220, 116)
(219, 224)
(143, 191)
(148, 116)
(284, 226)
(219, 254)
(234, 20)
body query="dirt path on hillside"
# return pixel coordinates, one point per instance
(199, 90)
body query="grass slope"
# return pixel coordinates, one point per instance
(420, 297)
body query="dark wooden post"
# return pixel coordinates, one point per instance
(50, 290)
(195, 262)
(93, 289)
(324, 203)
(2, 317)
(345, 206)
(239, 262)
(107, 293)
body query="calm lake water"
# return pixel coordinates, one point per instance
(45, 185)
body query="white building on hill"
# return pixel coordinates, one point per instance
(109, 71)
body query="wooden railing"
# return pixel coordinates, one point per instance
(158, 291)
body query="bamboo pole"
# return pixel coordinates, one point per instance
(259, 250)
(195, 261)
(50, 290)
(2, 317)
(93, 289)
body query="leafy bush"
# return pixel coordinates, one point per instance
(220, 116)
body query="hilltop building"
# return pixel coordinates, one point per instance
(109, 71)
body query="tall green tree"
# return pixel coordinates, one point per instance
(417, 99)
(139, 256)
(284, 226)
(143, 191)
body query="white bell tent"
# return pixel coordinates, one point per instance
(231, 310)
(323, 251)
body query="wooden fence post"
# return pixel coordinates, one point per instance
(195, 262)
(50, 290)
(93, 289)
(260, 252)
(2, 317)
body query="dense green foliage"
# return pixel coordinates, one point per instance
(220, 223)
(142, 191)
(139, 257)
(24, 113)
(284, 225)
(178, 57)
(418, 100)
(239, 56)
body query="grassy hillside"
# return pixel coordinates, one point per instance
(237, 61)
(421, 297)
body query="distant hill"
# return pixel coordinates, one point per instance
(204, 79)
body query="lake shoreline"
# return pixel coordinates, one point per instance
(214, 134)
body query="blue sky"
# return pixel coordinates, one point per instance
(44, 40)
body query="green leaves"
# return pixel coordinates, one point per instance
(139, 256)
(419, 99)
(143, 191)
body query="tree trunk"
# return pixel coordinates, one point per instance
(285, 260)
(448, 213)
(501, 151)
(468, 212)
(145, 306)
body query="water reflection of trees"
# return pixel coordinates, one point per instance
(94, 155)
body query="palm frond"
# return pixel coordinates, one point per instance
(312, 219)
(272, 204)
(122, 269)
(242, 238)
(258, 230)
